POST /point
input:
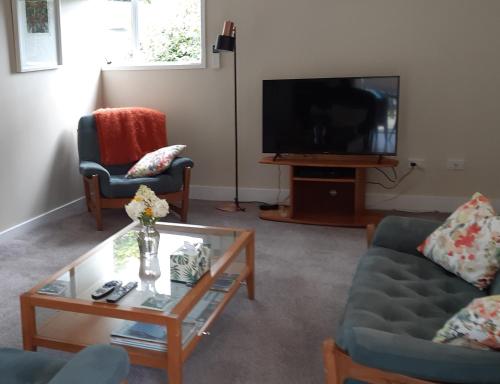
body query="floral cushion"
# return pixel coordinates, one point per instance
(154, 163)
(468, 243)
(476, 326)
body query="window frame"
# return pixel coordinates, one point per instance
(160, 65)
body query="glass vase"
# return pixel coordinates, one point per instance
(149, 270)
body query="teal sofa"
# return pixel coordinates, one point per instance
(97, 364)
(398, 301)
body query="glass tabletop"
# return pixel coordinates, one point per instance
(118, 259)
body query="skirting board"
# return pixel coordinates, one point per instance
(59, 212)
(411, 203)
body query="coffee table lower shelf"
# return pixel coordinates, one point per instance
(71, 332)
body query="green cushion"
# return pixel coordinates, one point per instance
(97, 364)
(21, 367)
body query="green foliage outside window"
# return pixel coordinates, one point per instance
(179, 42)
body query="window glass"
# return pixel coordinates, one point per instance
(139, 32)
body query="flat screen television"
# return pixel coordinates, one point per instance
(348, 115)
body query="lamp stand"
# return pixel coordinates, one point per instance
(234, 206)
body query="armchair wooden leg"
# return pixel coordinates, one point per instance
(94, 203)
(87, 193)
(185, 194)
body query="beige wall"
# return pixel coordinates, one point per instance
(446, 52)
(39, 112)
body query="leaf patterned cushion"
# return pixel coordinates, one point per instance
(476, 326)
(154, 163)
(468, 242)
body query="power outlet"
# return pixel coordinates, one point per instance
(455, 164)
(419, 162)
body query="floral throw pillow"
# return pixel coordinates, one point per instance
(468, 243)
(154, 163)
(476, 326)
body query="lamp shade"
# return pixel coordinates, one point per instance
(225, 43)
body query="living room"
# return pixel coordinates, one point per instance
(444, 54)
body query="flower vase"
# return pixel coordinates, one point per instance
(149, 271)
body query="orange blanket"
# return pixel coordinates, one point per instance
(127, 134)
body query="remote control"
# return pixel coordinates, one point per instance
(106, 289)
(121, 291)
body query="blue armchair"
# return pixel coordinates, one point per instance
(97, 364)
(107, 187)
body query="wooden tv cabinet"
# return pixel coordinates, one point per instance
(327, 189)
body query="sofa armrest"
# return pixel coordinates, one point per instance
(403, 234)
(97, 364)
(424, 359)
(90, 168)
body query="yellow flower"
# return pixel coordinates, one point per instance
(148, 212)
(138, 199)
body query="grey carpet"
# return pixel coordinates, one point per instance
(303, 274)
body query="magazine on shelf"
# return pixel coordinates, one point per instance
(201, 311)
(224, 282)
(153, 336)
(150, 336)
(56, 288)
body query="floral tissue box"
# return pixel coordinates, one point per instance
(190, 262)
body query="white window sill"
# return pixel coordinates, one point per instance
(151, 67)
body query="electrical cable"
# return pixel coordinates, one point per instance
(394, 173)
(279, 185)
(387, 176)
(398, 181)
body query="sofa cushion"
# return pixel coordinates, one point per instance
(475, 326)
(156, 162)
(424, 359)
(169, 181)
(401, 297)
(468, 242)
(403, 294)
(20, 367)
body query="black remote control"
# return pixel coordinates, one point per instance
(121, 291)
(106, 289)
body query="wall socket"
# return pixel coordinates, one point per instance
(420, 162)
(455, 164)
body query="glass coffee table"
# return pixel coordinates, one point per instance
(158, 327)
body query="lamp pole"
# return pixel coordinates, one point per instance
(236, 198)
(227, 42)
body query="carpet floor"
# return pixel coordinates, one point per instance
(303, 274)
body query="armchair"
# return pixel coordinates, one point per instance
(106, 186)
(97, 364)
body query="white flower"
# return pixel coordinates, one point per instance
(135, 209)
(160, 208)
(146, 206)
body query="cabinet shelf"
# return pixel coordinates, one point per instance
(325, 180)
(327, 190)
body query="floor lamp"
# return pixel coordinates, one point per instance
(227, 43)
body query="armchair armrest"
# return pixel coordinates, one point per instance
(403, 234)
(424, 359)
(178, 165)
(97, 364)
(90, 168)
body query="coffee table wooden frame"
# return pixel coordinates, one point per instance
(173, 359)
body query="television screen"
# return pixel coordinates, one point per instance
(354, 115)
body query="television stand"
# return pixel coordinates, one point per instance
(277, 156)
(327, 189)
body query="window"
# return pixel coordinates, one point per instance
(154, 32)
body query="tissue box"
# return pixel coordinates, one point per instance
(190, 262)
